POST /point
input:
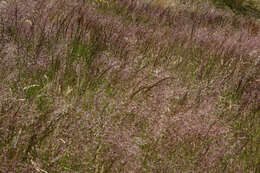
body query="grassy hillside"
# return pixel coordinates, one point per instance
(249, 8)
(242, 7)
(128, 86)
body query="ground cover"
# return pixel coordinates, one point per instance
(128, 86)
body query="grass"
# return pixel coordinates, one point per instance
(128, 86)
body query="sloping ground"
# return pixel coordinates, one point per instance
(126, 86)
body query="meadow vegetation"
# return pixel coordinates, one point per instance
(129, 86)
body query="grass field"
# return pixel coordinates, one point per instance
(128, 86)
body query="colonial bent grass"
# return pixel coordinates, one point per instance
(128, 86)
